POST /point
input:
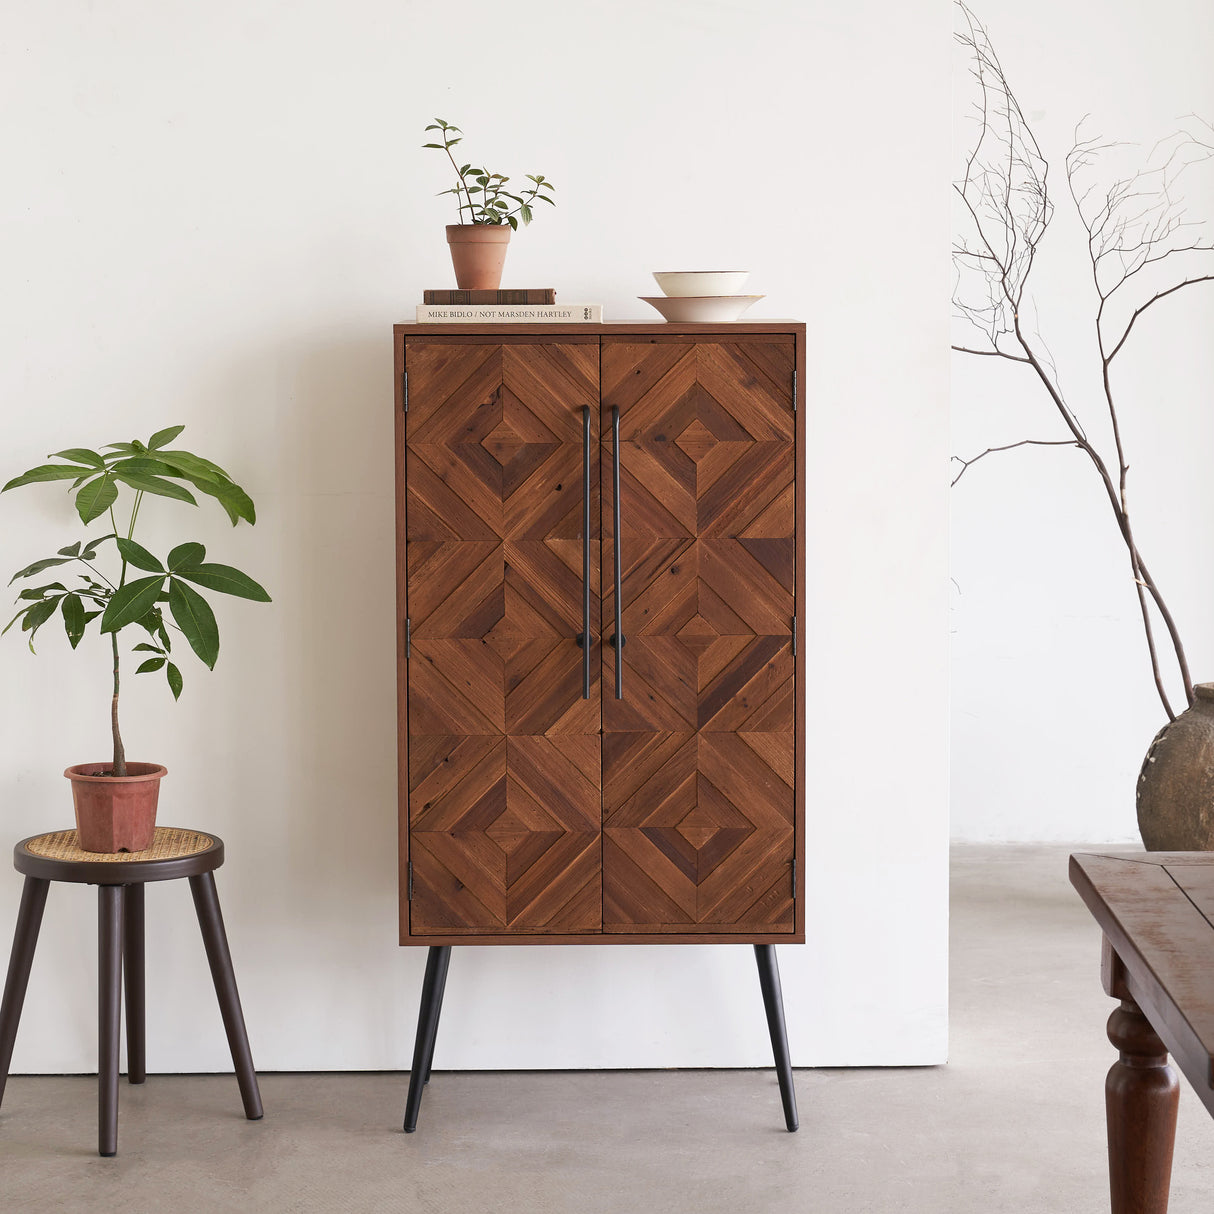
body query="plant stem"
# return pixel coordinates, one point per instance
(130, 531)
(119, 751)
(460, 178)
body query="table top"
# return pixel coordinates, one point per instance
(175, 852)
(1156, 910)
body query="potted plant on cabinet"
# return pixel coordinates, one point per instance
(488, 213)
(116, 802)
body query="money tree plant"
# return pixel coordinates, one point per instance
(115, 580)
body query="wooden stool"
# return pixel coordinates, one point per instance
(120, 879)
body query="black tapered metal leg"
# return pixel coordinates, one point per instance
(210, 920)
(440, 989)
(133, 978)
(109, 1013)
(773, 1003)
(438, 958)
(25, 939)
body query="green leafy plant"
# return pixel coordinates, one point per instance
(482, 195)
(98, 479)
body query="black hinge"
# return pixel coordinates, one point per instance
(410, 898)
(794, 390)
(409, 638)
(404, 378)
(794, 878)
(794, 636)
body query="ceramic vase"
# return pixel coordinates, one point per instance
(1176, 784)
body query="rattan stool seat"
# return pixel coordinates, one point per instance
(57, 856)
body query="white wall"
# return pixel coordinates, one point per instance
(1053, 701)
(213, 216)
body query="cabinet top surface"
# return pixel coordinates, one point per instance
(616, 327)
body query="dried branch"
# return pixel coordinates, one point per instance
(1134, 224)
(1024, 442)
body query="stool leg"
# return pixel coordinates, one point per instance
(206, 903)
(109, 1013)
(133, 976)
(438, 958)
(773, 1002)
(29, 920)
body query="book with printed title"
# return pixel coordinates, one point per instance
(504, 313)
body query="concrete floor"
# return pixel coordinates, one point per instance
(1013, 1123)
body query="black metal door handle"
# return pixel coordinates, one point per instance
(617, 641)
(585, 637)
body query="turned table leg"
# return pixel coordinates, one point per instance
(1141, 1096)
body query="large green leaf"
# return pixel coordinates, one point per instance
(137, 555)
(40, 592)
(174, 677)
(186, 556)
(130, 602)
(150, 665)
(227, 580)
(90, 548)
(187, 461)
(155, 484)
(38, 613)
(196, 619)
(81, 455)
(73, 618)
(48, 472)
(96, 498)
(164, 436)
(39, 566)
(237, 503)
(144, 465)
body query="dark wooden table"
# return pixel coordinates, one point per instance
(1156, 910)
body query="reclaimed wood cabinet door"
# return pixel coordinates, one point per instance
(645, 789)
(504, 805)
(698, 731)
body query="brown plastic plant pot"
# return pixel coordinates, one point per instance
(115, 813)
(478, 253)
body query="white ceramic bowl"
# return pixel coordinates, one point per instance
(707, 308)
(680, 283)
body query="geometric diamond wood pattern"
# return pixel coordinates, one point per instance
(532, 809)
(698, 756)
(504, 766)
(698, 831)
(505, 833)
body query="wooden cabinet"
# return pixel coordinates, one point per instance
(564, 777)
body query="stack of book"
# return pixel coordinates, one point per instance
(528, 304)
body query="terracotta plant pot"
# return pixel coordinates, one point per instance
(1176, 784)
(115, 813)
(478, 253)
